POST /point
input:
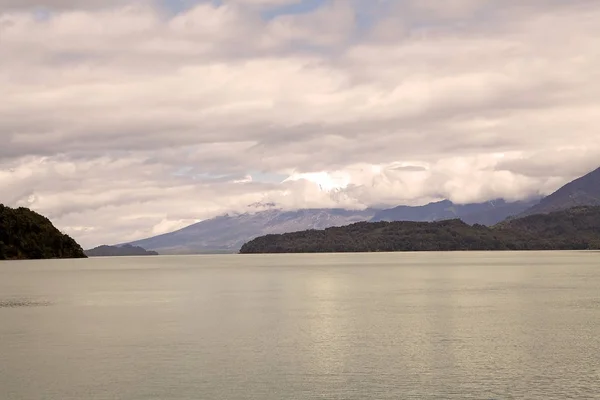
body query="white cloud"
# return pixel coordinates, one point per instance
(261, 2)
(447, 8)
(123, 121)
(59, 4)
(329, 25)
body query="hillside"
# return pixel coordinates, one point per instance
(577, 228)
(25, 234)
(584, 191)
(486, 213)
(119, 251)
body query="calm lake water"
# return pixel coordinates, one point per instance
(380, 326)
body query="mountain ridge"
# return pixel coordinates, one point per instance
(227, 233)
(573, 229)
(583, 191)
(485, 213)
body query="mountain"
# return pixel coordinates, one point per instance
(25, 234)
(496, 211)
(574, 229)
(227, 233)
(118, 251)
(487, 213)
(429, 212)
(584, 191)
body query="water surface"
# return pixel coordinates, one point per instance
(377, 326)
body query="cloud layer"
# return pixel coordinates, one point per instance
(123, 119)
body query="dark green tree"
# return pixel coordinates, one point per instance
(25, 234)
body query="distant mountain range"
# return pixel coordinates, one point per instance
(228, 233)
(487, 213)
(577, 228)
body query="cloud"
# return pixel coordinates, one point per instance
(329, 25)
(58, 4)
(262, 3)
(124, 120)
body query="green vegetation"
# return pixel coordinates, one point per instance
(573, 229)
(25, 234)
(118, 251)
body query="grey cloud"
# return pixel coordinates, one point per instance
(411, 168)
(57, 4)
(155, 94)
(567, 162)
(187, 126)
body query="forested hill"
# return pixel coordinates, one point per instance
(119, 251)
(25, 234)
(573, 229)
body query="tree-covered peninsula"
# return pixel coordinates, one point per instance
(574, 229)
(119, 251)
(25, 234)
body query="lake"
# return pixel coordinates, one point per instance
(522, 325)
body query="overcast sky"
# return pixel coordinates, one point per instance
(124, 119)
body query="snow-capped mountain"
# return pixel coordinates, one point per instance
(227, 233)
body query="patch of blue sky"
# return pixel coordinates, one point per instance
(299, 7)
(257, 176)
(190, 172)
(178, 6)
(209, 176)
(183, 171)
(367, 12)
(267, 177)
(42, 14)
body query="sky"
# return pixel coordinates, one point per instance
(124, 119)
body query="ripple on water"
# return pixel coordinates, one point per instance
(17, 303)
